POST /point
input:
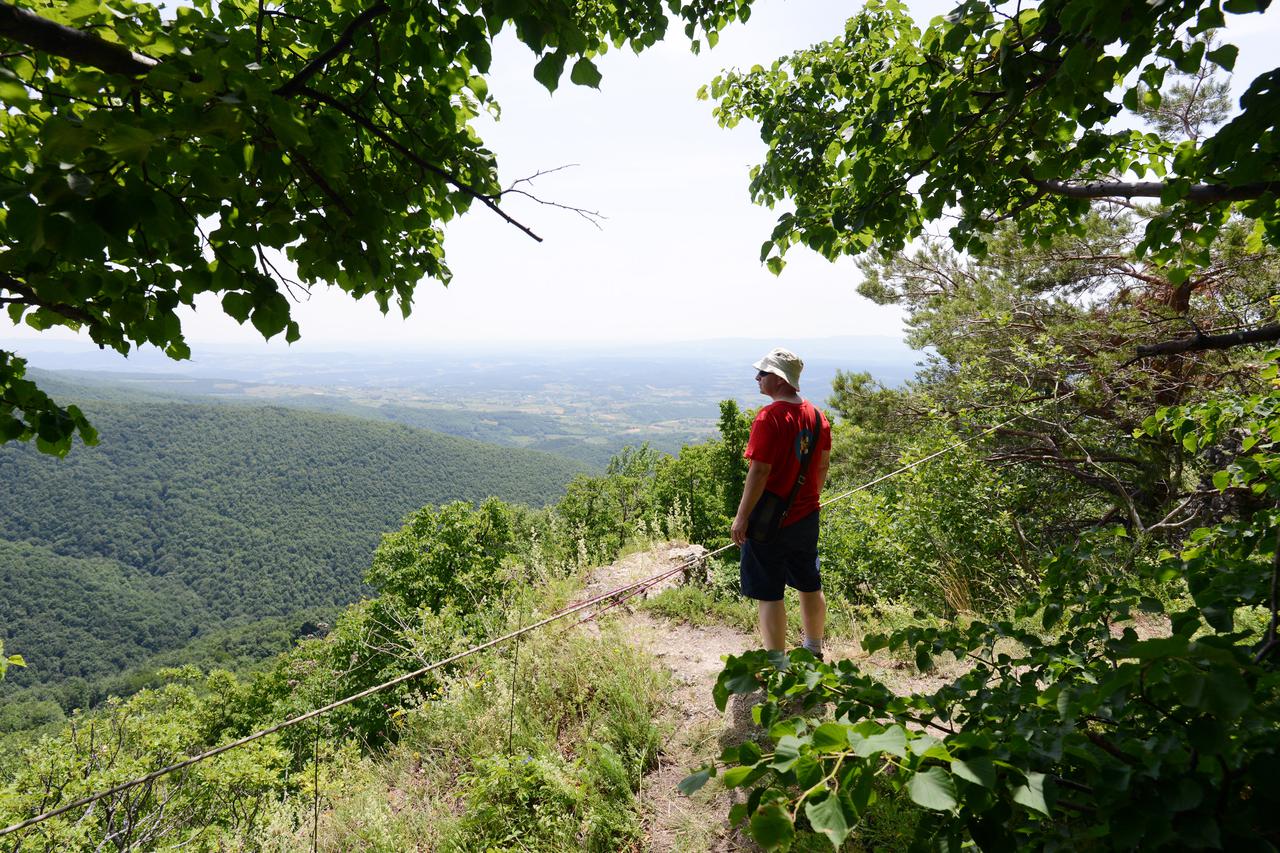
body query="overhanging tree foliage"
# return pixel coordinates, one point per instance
(253, 150)
(1004, 112)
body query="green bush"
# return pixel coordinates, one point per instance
(940, 535)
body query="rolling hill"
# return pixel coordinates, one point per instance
(188, 517)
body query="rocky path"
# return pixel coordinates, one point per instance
(692, 656)
(698, 731)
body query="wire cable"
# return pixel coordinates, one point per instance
(301, 718)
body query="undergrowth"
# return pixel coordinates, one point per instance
(583, 733)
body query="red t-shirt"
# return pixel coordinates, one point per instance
(776, 436)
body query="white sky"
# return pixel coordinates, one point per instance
(677, 258)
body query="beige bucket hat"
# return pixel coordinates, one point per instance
(784, 364)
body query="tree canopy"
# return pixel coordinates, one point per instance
(254, 150)
(998, 112)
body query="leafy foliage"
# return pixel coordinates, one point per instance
(999, 115)
(944, 536)
(26, 412)
(453, 576)
(252, 151)
(188, 517)
(1026, 322)
(151, 730)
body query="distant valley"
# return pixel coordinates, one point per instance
(188, 517)
(585, 404)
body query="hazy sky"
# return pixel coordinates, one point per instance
(677, 258)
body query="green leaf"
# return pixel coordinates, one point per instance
(874, 643)
(828, 818)
(238, 305)
(128, 142)
(694, 781)
(1052, 613)
(892, 740)
(1031, 794)
(585, 73)
(933, 789)
(808, 772)
(548, 70)
(771, 827)
(12, 91)
(1227, 693)
(830, 737)
(785, 753)
(1224, 57)
(979, 771)
(735, 776)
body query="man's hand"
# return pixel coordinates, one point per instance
(739, 531)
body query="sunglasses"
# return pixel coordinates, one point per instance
(760, 374)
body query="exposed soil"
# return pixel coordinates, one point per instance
(693, 657)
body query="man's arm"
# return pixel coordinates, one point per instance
(752, 489)
(820, 470)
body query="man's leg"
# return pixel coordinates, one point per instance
(803, 574)
(813, 615)
(773, 624)
(765, 585)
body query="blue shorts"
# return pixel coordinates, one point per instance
(791, 559)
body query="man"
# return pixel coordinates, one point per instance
(778, 434)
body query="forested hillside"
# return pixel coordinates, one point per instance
(187, 515)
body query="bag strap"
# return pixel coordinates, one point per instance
(805, 456)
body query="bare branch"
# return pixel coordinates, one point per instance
(538, 174)
(1200, 341)
(592, 216)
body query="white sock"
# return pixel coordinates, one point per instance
(814, 646)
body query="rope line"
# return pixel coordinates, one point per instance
(619, 596)
(332, 706)
(946, 449)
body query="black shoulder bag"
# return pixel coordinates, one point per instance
(771, 510)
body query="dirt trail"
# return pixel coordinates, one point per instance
(692, 655)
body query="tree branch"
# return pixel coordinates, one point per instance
(1154, 189)
(298, 84)
(57, 39)
(592, 216)
(30, 297)
(414, 158)
(1201, 341)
